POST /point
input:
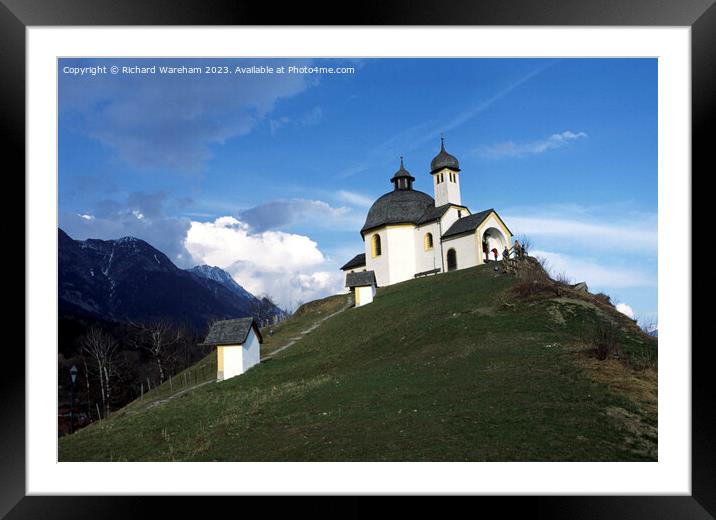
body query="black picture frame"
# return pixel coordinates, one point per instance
(17, 15)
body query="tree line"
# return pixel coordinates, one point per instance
(116, 363)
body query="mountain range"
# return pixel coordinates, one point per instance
(129, 280)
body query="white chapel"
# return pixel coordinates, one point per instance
(408, 233)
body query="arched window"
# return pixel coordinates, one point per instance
(428, 241)
(451, 260)
(375, 248)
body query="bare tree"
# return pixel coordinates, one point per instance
(525, 243)
(544, 263)
(158, 337)
(101, 348)
(263, 310)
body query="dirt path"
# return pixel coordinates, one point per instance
(310, 329)
(178, 394)
(301, 335)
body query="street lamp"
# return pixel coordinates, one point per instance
(73, 378)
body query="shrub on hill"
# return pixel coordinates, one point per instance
(603, 338)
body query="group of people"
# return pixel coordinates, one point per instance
(517, 252)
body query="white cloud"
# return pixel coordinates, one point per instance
(512, 149)
(596, 273)
(288, 267)
(140, 215)
(173, 122)
(310, 118)
(625, 309)
(355, 199)
(604, 233)
(284, 213)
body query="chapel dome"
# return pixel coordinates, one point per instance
(398, 207)
(444, 160)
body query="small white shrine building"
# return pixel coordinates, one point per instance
(238, 346)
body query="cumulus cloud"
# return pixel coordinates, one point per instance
(512, 149)
(288, 267)
(172, 120)
(625, 309)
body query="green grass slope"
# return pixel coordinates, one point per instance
(275, 337)
(447, 368)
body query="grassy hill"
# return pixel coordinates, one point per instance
(469, 365)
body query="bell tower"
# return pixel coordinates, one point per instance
(445, 170)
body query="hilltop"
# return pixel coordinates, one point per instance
(469, 365)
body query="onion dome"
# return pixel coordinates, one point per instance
(444, 160)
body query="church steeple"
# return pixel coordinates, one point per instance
(445, 170)
(444, 160)
(402, 180)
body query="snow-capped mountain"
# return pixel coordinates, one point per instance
(263, 309)
(128, 279)
(208, 272)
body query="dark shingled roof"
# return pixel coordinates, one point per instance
(230, 332)
(356, 261)
(431, 214)
(444, 160)
(468, 223)
(398, 207)
(360, 279)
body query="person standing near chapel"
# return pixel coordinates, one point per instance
(506, 259)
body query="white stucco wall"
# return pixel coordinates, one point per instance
(397, 261)
(379, 264)
(427, 260)
(465, 247)
(251, 350)
(364, 295)
(237, 359)
(401, 251)
(451, 215)
(446, 191)
(233, 360)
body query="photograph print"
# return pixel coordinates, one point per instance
(357, 260)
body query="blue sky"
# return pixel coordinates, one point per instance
(270, 175)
